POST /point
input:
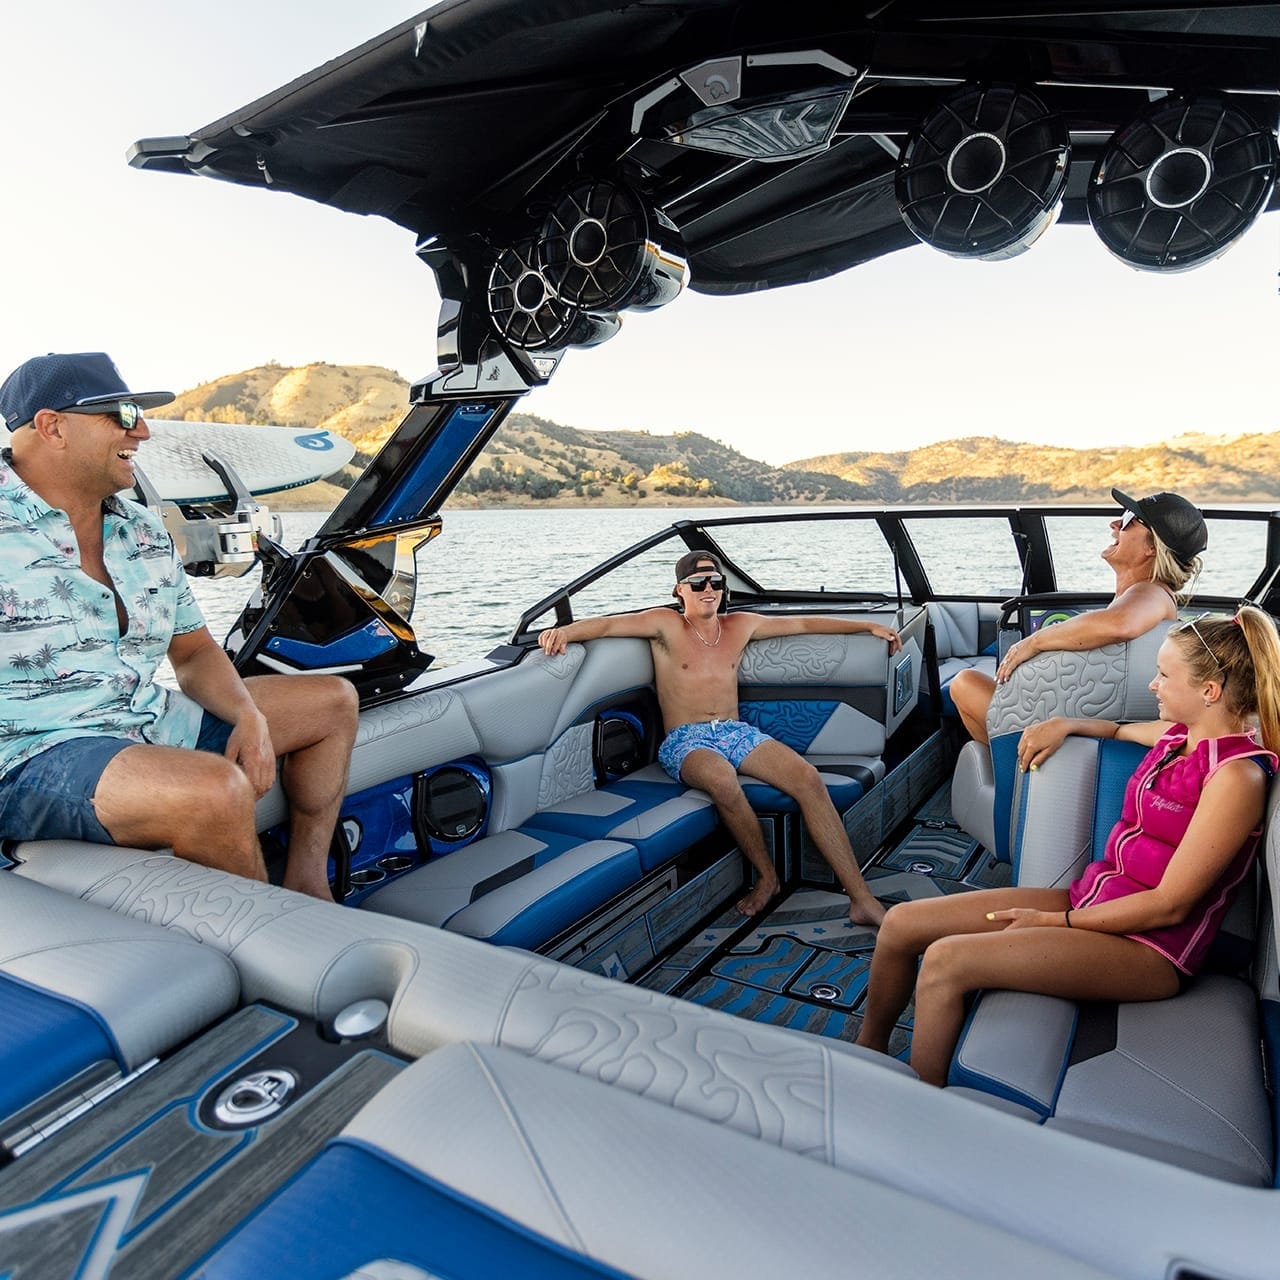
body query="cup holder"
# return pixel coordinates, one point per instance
(366, 876)
(394, 862)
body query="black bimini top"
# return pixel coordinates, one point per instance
(769, 143)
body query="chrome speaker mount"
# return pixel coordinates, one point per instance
(983, 174)
(1182, 182)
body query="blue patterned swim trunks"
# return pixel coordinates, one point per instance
(733, 739)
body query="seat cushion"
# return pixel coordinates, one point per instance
(80, 984)
(518, 888)
(658, 817)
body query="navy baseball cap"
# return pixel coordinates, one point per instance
(1174, 520)
(80, 380)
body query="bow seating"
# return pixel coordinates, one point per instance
(964, 637)
(480, 1161)
(1181, 1080)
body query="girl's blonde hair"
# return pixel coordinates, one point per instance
(1243, 654)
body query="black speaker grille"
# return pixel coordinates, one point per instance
(528, 312)
(449, 804)
(1181, 183)
(596, 252)
(982, 175)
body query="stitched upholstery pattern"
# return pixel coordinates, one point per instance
(567, 768)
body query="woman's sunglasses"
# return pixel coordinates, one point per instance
(713, 580)
(126, 413)
(1130, 517)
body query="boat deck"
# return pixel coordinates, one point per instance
(802, 964)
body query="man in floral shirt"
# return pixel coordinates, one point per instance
(94, 598)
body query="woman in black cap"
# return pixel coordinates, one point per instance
(1155, 551)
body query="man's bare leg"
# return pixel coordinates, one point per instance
(711, 772)
(779, 766)
(312, 721)
(196, 803)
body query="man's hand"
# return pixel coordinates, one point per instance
(552, 640)
(250, 747)
(889, 634)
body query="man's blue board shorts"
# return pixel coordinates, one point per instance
(733, 739)
(50, 796)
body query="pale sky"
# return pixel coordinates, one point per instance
(184, 279)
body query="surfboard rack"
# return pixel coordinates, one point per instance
(214, 542)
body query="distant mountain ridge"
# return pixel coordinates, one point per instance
(535, 462)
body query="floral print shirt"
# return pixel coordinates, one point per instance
(66, 670)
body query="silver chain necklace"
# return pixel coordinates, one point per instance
(710, 644)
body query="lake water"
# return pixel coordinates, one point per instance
(487, 567)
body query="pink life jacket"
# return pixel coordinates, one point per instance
(1159, 803)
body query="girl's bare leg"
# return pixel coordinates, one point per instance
(1077, 964)
(908, 930)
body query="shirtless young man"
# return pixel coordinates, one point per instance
(696, 655)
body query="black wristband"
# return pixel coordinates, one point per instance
(1068, 919)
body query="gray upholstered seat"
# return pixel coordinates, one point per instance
(1181, 1080)
(485, 1162)
(1108, 683)
(82, 986)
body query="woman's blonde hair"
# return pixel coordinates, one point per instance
(1169, 571)
(1243, 654)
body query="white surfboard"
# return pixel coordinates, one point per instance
(267, 459)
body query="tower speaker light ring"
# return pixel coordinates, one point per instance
(983, 174)
(1182, 182)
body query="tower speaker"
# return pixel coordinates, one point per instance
(529, 314)
(598, 252)
(1182, 182)
(982, 175)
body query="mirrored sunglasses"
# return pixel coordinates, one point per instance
(1130, 517)
(126, 414)
(714, 580)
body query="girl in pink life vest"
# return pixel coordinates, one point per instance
(1138, 922)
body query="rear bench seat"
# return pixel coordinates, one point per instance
(831, 1103)
(480, 1161)
(964, 635)
(558, 845)
(1181, 1080)
(87, 995)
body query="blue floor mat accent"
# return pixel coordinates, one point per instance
(765, 1006)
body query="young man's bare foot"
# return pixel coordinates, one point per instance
(868, 911)
(759, 897)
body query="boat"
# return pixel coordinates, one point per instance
(534, 1036)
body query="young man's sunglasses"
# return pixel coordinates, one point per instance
(126, 413)
(714, 580)
(1129, 517)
